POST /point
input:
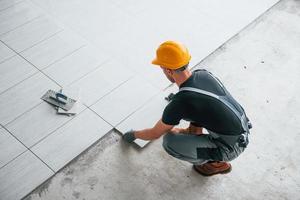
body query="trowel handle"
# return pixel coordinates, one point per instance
(61, 98)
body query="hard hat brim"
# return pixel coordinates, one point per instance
(158, 63)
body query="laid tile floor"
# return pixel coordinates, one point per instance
(104, 48)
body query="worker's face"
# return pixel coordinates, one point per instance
(169, 74)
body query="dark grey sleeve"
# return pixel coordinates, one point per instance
(173, 113)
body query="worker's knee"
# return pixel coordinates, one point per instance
(175, 142)
(168, 139)
(169, 144)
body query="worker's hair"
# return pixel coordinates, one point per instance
(182, 68)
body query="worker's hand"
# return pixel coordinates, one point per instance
(180, 130)
(129, 136)
(193, 130)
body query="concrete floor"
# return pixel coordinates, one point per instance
(260, 66)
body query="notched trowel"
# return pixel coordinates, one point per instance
(59, 100)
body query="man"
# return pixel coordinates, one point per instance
(205, 103)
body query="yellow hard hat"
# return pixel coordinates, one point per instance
(172, 55)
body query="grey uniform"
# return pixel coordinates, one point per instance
(205, 102)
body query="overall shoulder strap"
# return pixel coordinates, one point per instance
(200, 91)
(232, 108)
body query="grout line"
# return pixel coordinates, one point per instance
(28, 78)
(41, 71)
(32, 64)
(38, 70)
(25, 151)
(100, 117)
(67, 164)
(150, 98)
(89, 107)
(139, 107)
(21, 25)
(110, 91)
(6, 59)
(89, 72)
(120, 84)
(8, 123)
(59, 127)
(48, 37)
(59, 59)
(10, 161)
(31, 75)
(12, 5)
(42, 161)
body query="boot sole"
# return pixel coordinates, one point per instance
(222, 172)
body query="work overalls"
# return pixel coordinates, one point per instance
(199, 149)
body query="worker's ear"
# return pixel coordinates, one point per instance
(170, 71)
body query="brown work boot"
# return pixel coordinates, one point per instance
(212, 168)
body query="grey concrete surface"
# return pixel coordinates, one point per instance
(260, 66)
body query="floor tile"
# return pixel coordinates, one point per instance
(5, 52)
(155, 76)
(21, 176)
(30, 34)
(38, 123)
(70, 140)
(51, 50)
(76, 65)
(4, 4)
(102, 81)
(89, 18)
(201, 36)
(23, 97)
(233, 13)
(153, 110)
(10, 147)
(135, 7)
(124, 100)
(17, 15)
(130, 32)
(13, 71)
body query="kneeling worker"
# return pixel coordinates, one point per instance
(205, 103)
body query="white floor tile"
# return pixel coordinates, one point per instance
(4, 4)
(17, 15)
(155, 76)
(10, 147)
(53, 49)
(23, 96)
(124, 100)
(5, 52)
(102, 81)
(70, 140)
(13, 71)
(201, 35)
(30, 34)
(76, 65)
(89, 18)
(21, 176)
(37, 123)
(153, 110)
(135, 7)
(130, 32)
(233, 13)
